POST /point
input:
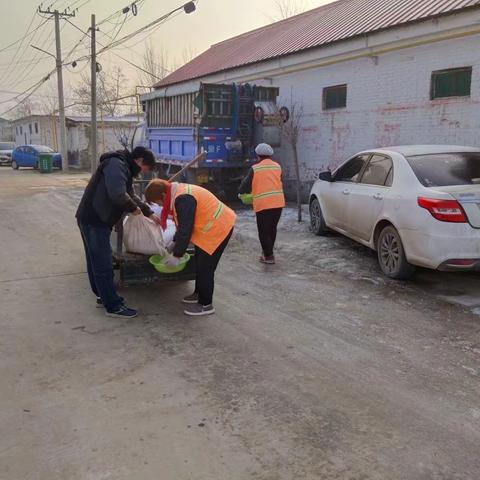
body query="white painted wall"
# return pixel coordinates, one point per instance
(388, 103)
(77, 136)
(107, 139)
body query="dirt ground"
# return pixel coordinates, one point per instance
(315, 368)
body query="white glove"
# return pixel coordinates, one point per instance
(170, 246)
(172, 261)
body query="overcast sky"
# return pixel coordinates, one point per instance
(214, 21)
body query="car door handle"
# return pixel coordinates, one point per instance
(378, 196)
(346, 191)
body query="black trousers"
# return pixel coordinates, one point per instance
(267, 222)
(206, 265)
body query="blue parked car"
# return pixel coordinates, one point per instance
(29, 156)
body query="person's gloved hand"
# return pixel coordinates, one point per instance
(170, 246)
(172, 261)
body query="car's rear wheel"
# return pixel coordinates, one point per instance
(317, 220)
(14, 165)
(391, 255)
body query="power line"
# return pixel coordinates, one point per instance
(161, 19)
(8, 47)
(124, 10)
(16, 56)
(21, 62)
(119, 56)
(27, 70)
(34, 88)
(186, 7)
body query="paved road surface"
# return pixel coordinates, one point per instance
(316, 368)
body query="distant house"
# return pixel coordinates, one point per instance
(368, 73)
(45, 130)
(6, 131)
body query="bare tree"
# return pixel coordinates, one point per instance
(155, 64)
(291, 132)
(288, 8)
(24, 109)
(49, 102)
(188, 53)
(112, 89)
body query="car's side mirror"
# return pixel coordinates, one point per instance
(326, 176)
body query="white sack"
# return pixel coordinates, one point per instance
(169, 233)
(142, 235)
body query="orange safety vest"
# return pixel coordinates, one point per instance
(267, 188)
(213, 219)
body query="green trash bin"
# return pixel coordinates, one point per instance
(45, 163)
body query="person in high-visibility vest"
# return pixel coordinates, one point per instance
(201, 219)
(264, 182)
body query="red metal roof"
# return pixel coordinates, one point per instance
(330, 23)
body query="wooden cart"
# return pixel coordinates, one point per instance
(134, 268)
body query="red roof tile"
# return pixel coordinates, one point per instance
(335, 21)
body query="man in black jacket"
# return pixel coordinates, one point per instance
(108, 197)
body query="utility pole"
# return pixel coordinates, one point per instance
(93, 88)
(61, 102)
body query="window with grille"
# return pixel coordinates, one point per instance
(455, 82)
(335, 97)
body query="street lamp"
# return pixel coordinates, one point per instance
(189, 7)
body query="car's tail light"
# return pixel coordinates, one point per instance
(443, 210)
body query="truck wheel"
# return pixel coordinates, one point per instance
(317, 221)
(391, 255)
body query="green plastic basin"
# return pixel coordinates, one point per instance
(246, 198)
(157, 262)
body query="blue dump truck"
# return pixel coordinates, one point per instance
(226, 121)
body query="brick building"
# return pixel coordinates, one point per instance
(368, 73)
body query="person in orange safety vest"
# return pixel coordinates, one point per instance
(201, 219)
(264, 182)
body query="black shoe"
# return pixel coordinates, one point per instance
(197, 310)
(123, 312)
(268, 260)
(193, 298)
(99, 303)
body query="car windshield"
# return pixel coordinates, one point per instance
(42, 149)
(7, 146)
(447, 169)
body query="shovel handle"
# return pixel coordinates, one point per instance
(187, 166)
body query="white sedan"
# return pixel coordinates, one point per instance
(415, 205)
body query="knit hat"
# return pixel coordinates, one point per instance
(264, 150)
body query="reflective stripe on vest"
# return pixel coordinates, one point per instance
(268, 194)
(267, 189)
(216, 215)
(213, 219)
(257, 168)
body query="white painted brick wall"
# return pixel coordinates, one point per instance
(388, 103)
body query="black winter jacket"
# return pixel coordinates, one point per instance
(109, 194)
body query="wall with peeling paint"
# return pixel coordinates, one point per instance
(388, 103)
